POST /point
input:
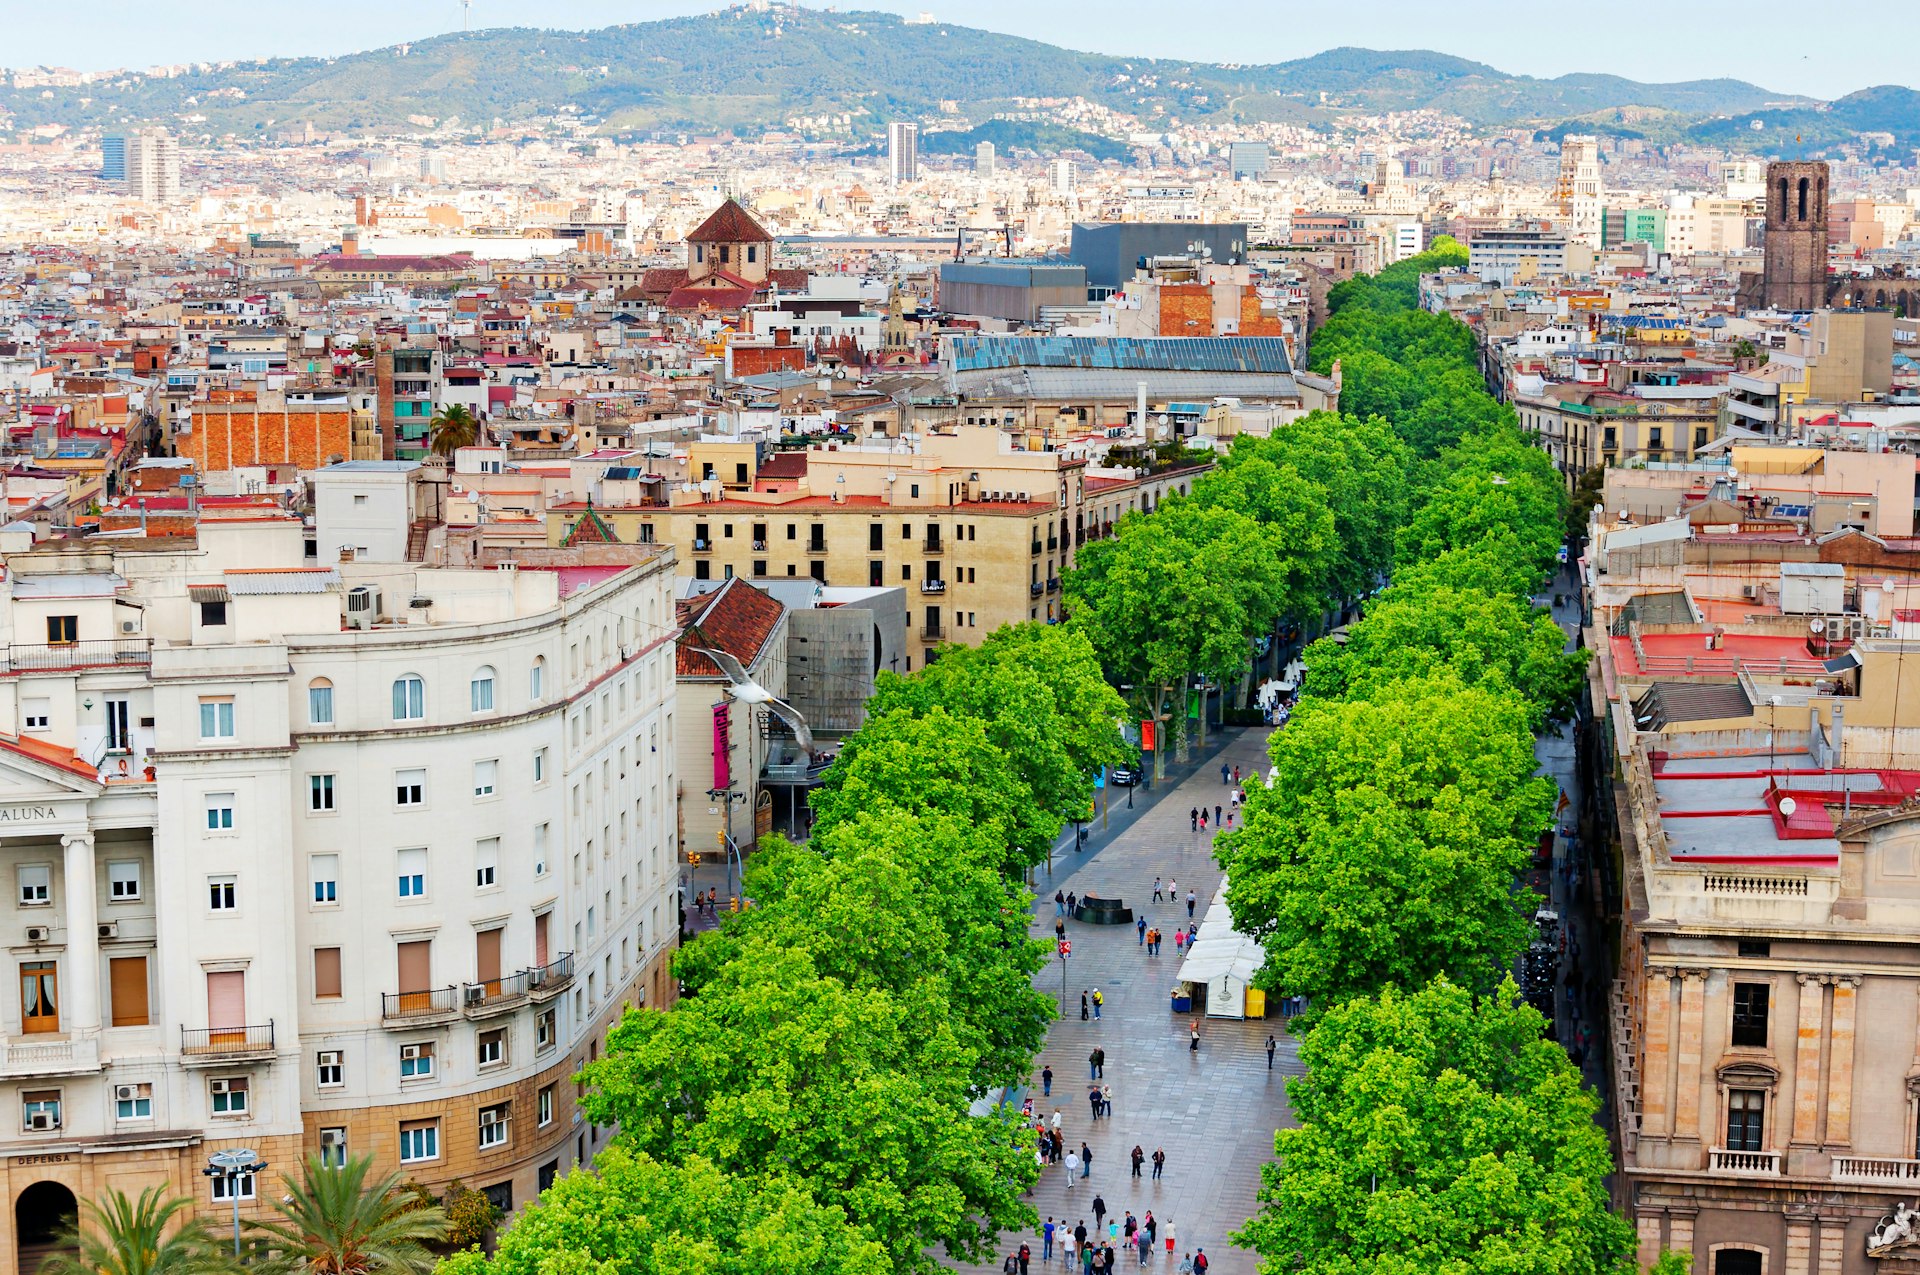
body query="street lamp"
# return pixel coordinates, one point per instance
(728, 798)
(232, 1166)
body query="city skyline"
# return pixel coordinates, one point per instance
(1817, 61)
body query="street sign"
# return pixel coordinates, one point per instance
(1066, 948)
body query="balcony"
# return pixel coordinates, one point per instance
(20, 1059)
(1036, 546)
(496, 996)
(816, 546)
(1053, 542)
(1053, 584)
(548, 981)
(759, 546)
(932, 548)
(204, 1046)
(702, 546)
(932, 632)
(1867, 1171)
(933, 586)
(1036, 588)
(411, 1009)
(58, 656)
(1744, 1164)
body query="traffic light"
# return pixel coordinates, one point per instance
(720, 839)
(693, 858)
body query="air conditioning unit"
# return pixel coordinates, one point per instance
(109, 929)
(536, 978)
(331, 1139)
(490, 1117)
(39, 933)
(329, 1058)
(129, 626)
(218, 1086)
(363, 606)
(476, 993)
(41, 1121)
(409, 1053)
(125, 1093)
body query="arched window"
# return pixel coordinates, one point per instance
(320, 702)
(1803, 199)
(409, 699)
(537, 679)
(1782, 215)
(482, 690)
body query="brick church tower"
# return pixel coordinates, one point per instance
(1795, 273)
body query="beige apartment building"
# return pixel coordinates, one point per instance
(978, 528)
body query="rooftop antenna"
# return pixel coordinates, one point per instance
(466, 15)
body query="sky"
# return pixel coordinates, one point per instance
(1774, 43)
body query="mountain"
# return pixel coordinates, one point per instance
(1889, 109)
(755, 69)
(1012, 136)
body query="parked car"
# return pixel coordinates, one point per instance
(1124, 776)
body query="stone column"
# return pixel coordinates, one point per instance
(1806, 1061)
(1799, 1245)
(1680, 1229)
(1846, 994)
(1648, 1224)
(1689, 1046)
(80, 986)
(1656, 1100)
(1833, 1246)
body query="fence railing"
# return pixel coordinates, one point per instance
(257, 1038)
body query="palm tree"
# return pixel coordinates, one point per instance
(129, 1237)
(453, 427)
(337, 1222)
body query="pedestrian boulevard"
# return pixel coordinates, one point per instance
(1214, 1113)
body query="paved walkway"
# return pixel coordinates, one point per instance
(1214, 1113)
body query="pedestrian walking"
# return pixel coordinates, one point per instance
(1086, 1161)
(1093, 1100)
(1083, 1004)
(1144, 1243)
(1099, 1212)
(1071, 903)
(1086, 1259)
(1151, 1227)
(1139, 1158)
(1191, 900)
(1156, 889)
(1059, 903)
(1179, 942)
(1203, 821)
(1113, 1233)
(1224, 772)
(1056, 1120)
(1073, 1168)
(1169, 1239)
(1080, 1234)
(1193, 1038)
(1216, 814)
(1046, 1240)
(1026, 1255)
(1046, 1073)
(1098, 1001)
(1140, 927)
(1236, 776)
(1192, 931)
(1193, 817)
(1066, 1245)
(1200, 1262)
(1096, 1063)
(1173, 891)
(1106, 1101)
(1271, 1046)
(1159, 1164)
(1059, 928)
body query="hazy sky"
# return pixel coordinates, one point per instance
(1783, 46)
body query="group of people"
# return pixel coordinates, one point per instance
(1097, 1250)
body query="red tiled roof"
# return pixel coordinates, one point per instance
(730, 223)
(736, 618)
(790, 279)
(49, 754)
(784, 465)
(711, 298)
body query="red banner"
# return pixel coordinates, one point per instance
(1146, 736)
(722, 744)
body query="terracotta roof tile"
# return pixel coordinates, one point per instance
(730, 223)
(736, 618)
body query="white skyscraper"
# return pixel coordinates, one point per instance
(153, 166)
(903, 152)
(1066, 176)
(984, 159)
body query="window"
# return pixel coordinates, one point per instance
(537, 678)
(320, 702)
(123, 882)
(216, 718)
(228, 1095)
(220, 894)
(486, 774)
(543, 1030)
(409, 787)
(329, 1069)
(40, 1110)
(39, 997)
(333, 1148)
(63, 630)
(133, 1102)
(36, 714)
(325, 871)
(1760, 948)
(491, 1047)
(35, 885)
(1746, 1119)
(127, 991)
(409, 699)
(419, 1140)
(1750, 1014)
(320, 794)
(486, 862)
(549, 1174)
(219, 812)
(416, 1061)
(539, 765)
(545, 1105)
(493, 1126)
(481, 691)
(238, 1187)
(213, 614)
(1739, 1261)
(413, 873)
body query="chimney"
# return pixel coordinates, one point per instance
(1140, 409)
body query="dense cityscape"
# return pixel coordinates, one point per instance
(1478, 503)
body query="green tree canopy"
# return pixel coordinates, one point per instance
(1045, 701)
(1385, 850)
(452, 427)
(777, 1069)
(344, 1220)
(633, 1214)
(156, 1234)
(1292, 511)
(1440, 1135)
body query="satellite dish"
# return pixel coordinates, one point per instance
(1787, 806)
(1886, 586)
(1817, 626)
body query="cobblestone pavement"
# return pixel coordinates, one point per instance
(1214, 1113)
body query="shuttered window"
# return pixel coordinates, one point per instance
(127, 985)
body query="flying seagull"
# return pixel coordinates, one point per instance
(748, 691)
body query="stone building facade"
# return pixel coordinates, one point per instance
(1795, 274)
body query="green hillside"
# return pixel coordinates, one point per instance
(754, 70)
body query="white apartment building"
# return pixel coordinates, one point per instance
(353, 859)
